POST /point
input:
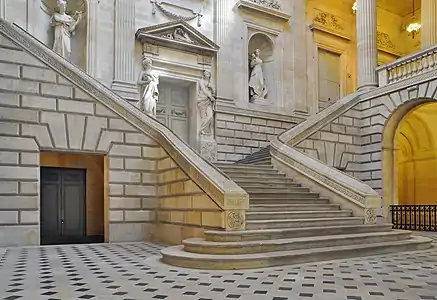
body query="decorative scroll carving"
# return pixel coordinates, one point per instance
(235, 219)
(370, 215)
(268, 3)
(178, 35)
(161, 6)
(383, 40)
(328, 20)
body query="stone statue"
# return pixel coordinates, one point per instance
(65, 26)
(180, 35)
(257, 87)
(148, 85)
(206, 103)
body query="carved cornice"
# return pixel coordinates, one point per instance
(164, 35)
(221, 189)
(385, 44)
(329, 23)
(264, 8)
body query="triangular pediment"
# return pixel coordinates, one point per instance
(178, 35)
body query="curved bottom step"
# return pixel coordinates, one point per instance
(176, 256)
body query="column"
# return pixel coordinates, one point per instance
(124, 81)
(366, 44)
(92, 37)
(428, 35)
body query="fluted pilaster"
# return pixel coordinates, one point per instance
(429, 23)
(124, 46)
(93, 41)
(366, 44)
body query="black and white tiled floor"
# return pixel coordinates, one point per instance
(128, 271)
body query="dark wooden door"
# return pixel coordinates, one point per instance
(62, 205)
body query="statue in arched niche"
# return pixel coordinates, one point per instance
(206, 103)
(65, 25)
(257, 86)
(148, 83)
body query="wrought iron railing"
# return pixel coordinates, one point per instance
(414, 217)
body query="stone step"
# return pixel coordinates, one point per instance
(198, 245)
(300, 223)
(263, 180)
(287, 195)
(243, 167)
(289, 200)
(252, 173)
(289, 215)
(268, 185)
(280, 190)
(283, 233)
(293, 207)
(177, 257)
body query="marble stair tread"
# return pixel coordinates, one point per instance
(200, 245)
(276, 190)
(260, 215)
(294, 207)
(297, 200)
(296, 223)
(176, 256)
(272, 233)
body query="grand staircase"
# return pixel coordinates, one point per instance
(287, 224)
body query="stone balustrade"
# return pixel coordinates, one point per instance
(408, 66)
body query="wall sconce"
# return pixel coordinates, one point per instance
(354, 8)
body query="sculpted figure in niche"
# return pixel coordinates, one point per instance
(257, 87)
(65, 26)
(180, 35)
(148, 85)
(206, 103)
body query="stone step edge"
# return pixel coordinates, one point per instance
(282, 230)
(249, 213)
(279, 205)
(278, 221)
(201, 242)
(176, 256)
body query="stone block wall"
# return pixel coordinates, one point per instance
(183, 209)
(42, 111)
(241, 132)
(338, 144)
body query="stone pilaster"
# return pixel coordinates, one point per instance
(299, 29)
(93, 39)
(3, 9)
(366, 44)
(124, 81)
(429, 23)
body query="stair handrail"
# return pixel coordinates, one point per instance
(222, 190)
(338, 182)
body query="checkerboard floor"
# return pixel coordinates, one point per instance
(126, 271)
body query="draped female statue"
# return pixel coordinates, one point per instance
(257, 87)
(65, 25)
(205, 103)
(148, 84)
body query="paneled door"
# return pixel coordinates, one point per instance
(172, 109)
(329, 78)
(62, 205)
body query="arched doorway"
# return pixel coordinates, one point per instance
(410, 155)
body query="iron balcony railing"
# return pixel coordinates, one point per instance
(414, 217)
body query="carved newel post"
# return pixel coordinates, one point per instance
(148, 85)
(206, 106)
(65, 25)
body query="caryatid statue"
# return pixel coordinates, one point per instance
(206, 103)
(148, 84)
(257, 86)
(65, 25)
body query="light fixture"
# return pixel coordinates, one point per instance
(354, 7)
(414, 27)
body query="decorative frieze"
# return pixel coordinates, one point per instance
(384, 41)
(268, 8)
(330, 23)
(268, 3)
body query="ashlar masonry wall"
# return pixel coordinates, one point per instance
(42, 111)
